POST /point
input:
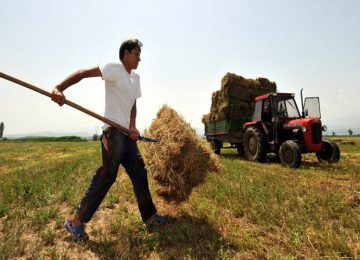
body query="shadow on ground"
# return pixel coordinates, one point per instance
(272, 158)
(187, 236)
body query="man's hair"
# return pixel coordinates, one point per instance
(129, 45)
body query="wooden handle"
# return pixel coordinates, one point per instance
(67, 102)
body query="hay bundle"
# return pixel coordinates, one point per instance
(236, 98)
(181, 160)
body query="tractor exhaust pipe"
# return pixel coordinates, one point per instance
(302, 103)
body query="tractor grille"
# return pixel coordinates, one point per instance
(316, 133)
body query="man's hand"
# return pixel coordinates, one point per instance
(57, 96)
(134, 133)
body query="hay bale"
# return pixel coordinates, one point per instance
(236, 98)
(181, 160)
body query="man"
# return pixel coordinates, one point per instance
(122, 88)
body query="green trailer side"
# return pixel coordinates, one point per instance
(228, 130)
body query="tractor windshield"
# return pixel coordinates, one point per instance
(287, 108)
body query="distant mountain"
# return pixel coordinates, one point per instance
(51, 134)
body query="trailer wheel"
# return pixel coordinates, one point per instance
(330, 152)
(254, 144)
(216, 146)
(290, 154)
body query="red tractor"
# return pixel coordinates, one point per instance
(276, 127)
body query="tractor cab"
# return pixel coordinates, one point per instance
(275, 105)
(273, 111)
(279, 117)
(283, 105)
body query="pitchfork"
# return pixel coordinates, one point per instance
(76, 106)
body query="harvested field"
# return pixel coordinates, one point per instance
(249, 211)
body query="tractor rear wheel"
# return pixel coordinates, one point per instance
(290, 154)
(254, 144)
(329, 153)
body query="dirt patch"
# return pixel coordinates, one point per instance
(59, 241)
(3, 168)
(333, 183)
(343, 184)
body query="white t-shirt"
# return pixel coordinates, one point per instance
(121, 91)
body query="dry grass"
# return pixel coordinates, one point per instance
(182, 160)
(236, 97)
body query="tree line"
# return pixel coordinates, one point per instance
(350, 132)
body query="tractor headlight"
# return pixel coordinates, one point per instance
(324, 128)
(303, 129)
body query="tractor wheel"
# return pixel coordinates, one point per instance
(330, 152)
(290, 154)
(254, 144)
(216, 146)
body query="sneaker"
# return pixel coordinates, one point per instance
(77, 232)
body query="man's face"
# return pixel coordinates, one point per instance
(132, 58)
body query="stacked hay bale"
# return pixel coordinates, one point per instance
(236, 98)
(181, 160)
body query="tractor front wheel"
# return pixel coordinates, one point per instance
(329, 153)
(290, 154)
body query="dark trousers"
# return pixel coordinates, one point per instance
(117, 148)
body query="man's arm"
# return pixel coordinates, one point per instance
(57, 93)
(134, 133)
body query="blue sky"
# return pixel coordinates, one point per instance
(188, 47)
